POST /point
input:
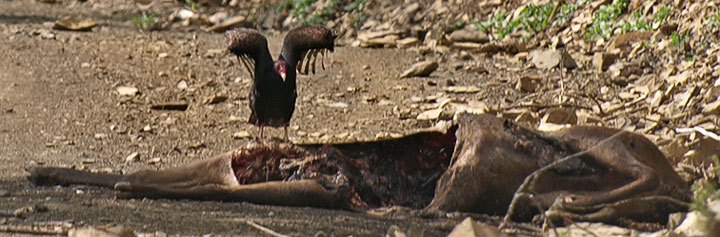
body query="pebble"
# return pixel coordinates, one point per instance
(241, 135)
(132, 157)
(126, 90)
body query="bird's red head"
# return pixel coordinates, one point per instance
(281, 68)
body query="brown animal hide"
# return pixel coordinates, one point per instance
(476, 165)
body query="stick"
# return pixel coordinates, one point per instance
(265, 229)
(700, 130)
(554, 12)
(531, 178)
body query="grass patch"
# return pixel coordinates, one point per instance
(706, 189)
(144, 21)
(532, 19)
(306, 12)
(606, 23)
(713, 21)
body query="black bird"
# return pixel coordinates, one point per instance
(273, 93)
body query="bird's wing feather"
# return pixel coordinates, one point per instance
(305, 44)
(249, 46)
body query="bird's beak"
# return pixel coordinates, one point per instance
(282, 74)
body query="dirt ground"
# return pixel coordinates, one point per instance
(59, 107)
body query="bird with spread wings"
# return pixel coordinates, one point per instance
(273, 92)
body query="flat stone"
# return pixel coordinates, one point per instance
(470, 227)
(75, 24)
(469, 36)
(241, 135)
(421, 69)
(602, 61)
(126, 90)
(432, 114)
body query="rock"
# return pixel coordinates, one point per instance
(132, 157)
(528, 84)
(469, 36)
(550, 58)
(407, 42)
(227, 24)
(560, 116)
(170, 106)
(466, 46)
(115, 231)
(693, 225)
(86, 161)
(4, 193)
(241, 135)
(368, 35)
(602, 61)
(432, 114)
(395, 231)
(584, 229)
(154, 161)
(461, 89)
(624, 41)
(47, 35)
(100, 136)
(680, 78)
(421, 69)
(711, 108)
(387, 42)
(126, 90)
(182, 85)
(218, 17)
(184, 14)
(469, 227)
(490, 48)
(624, 70)
(72, 23)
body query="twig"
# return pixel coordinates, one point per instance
(554, 12)
(33, 229)
(264, 229)
(531, 178)
(700, 130)
(542, 106)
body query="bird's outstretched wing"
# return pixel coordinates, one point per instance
(249, 46)
(304, 44)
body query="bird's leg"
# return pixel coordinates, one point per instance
(285, 126)
(307, 61)
(322, 60)
(315, 54)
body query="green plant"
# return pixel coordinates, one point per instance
(706, 189)
(533, 19)
(678, 39)
(662, 14)
(191, 4)
(603, 22)
(713, 20)
(144, 21)
(457, 25)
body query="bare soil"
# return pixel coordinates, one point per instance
(59, 107)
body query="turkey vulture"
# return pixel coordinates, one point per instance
(272, 96)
